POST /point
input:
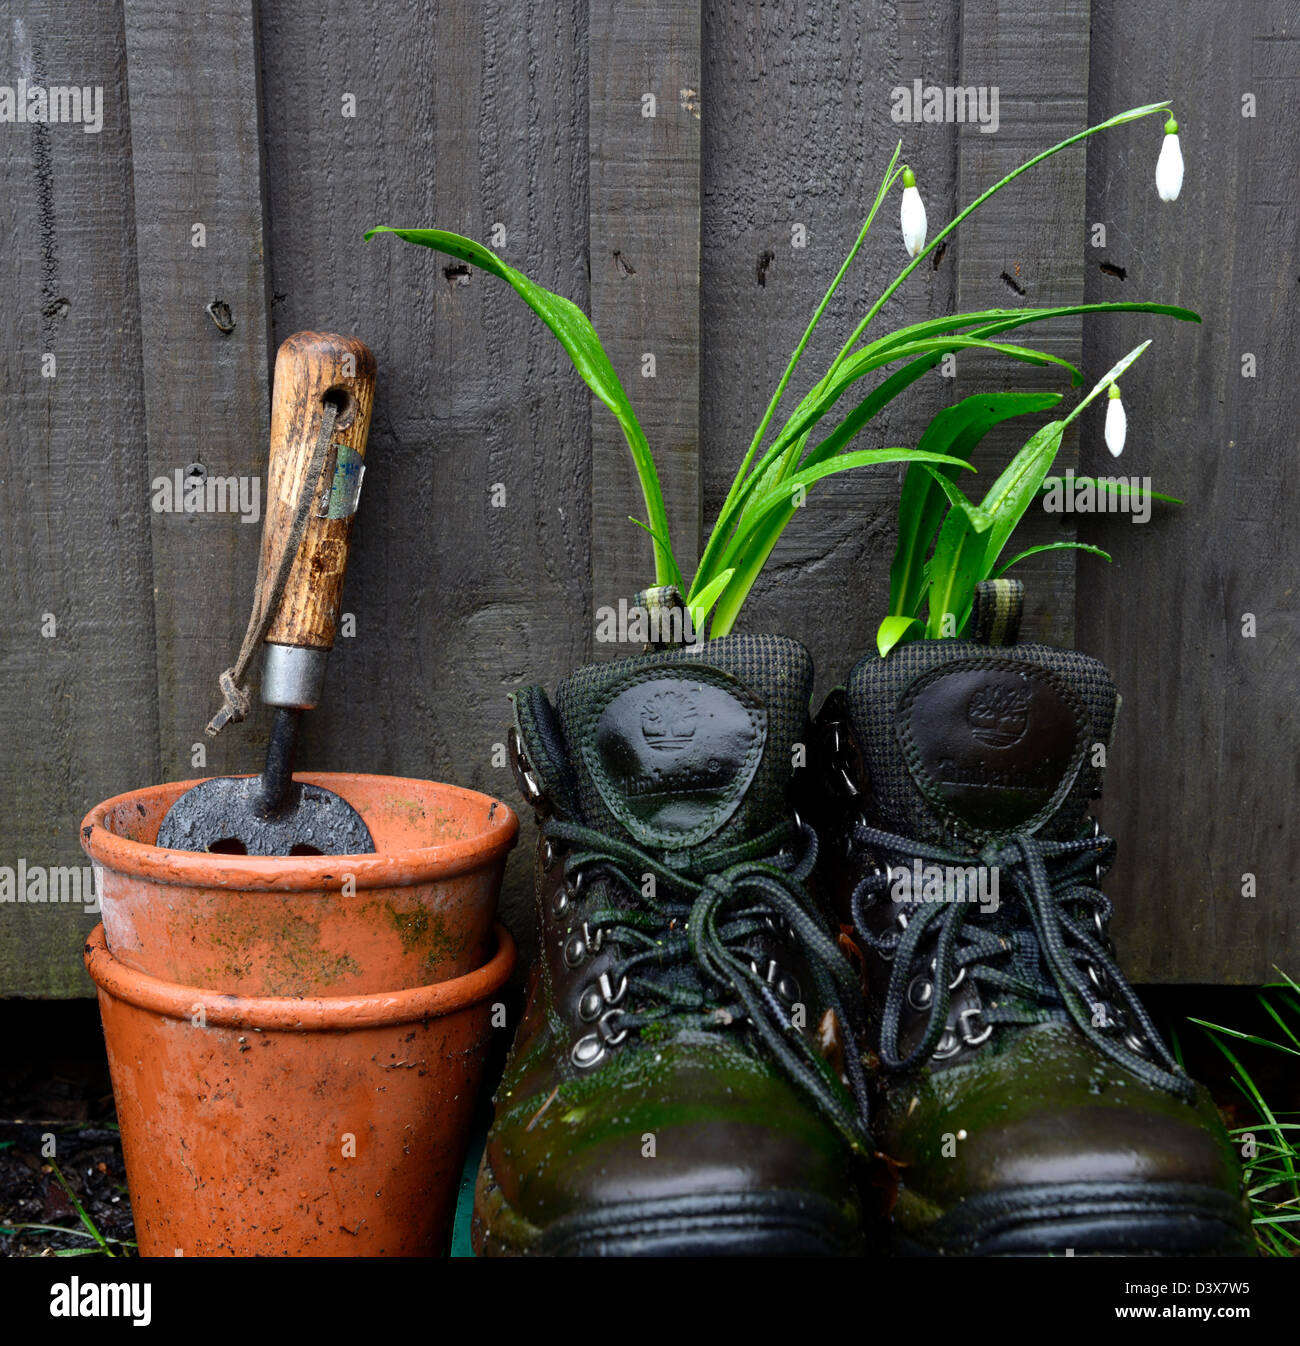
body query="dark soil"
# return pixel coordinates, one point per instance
(57, 1120)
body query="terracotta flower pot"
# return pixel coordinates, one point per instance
(296, 1042)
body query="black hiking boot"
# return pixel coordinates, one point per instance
(675, 1086)
(1017, 1082)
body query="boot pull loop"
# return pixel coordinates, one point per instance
(996, 611)
(667, 618)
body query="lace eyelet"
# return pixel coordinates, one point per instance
(920, 992)
(1097, 871)
(956, 981)
(850, 840)
(599, 996)
(783, 983)
(581, 943)
(525, 777)
(969, 1038)
(590, 1049)
(606, 1027)
(549, 856)
(949, 1044)
(587, 1052)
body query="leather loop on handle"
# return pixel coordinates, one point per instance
(312, 368)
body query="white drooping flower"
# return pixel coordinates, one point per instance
(912, 215)
(1116, 422)
(1169, 167)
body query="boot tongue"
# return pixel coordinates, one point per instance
(959, 737)
(687, 746)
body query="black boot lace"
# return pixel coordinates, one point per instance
(686, 934)
(1043, 954)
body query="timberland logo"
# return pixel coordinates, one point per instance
(675, 751)
(995, 742)
(999, 715)
(668, 721)
(982, 776)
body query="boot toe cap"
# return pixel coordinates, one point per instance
(691, 1147)
(1048, 1142)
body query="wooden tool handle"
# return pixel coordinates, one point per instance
(311, 370)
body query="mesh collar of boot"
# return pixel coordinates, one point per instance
(903, 797)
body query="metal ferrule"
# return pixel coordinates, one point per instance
(293, 676)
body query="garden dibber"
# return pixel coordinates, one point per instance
(323, 384)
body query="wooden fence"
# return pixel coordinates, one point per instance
(691, 174)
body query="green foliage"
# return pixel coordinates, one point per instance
(931, 592)
(780, 467)
(1270, 1146)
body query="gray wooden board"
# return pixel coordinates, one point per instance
(1024, 249)
(797, 132)
(196, 160)
(644, 222)
(464, 119)
(1205, 773)
(77, 710)
(470, 117)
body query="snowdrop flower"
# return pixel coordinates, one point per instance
(1169, 167)
(912, 215)
(1116, 422)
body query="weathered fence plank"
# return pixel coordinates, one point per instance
(492, 473)
(196, 153)
(1025, 247)
(1205, 772)
(798, 127)
(644, 221)
(77, 715)
(471, 556)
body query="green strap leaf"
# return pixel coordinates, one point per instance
(995, 320)
(956, 567)
(892, 630)
(979, 519)
(748, 550)
(957, 430)
(700, 607)
(1050, 546)
(574, 331)
(1013, 492)
(1117, 485)
(820, 400)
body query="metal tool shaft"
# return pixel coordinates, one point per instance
(277, 774)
